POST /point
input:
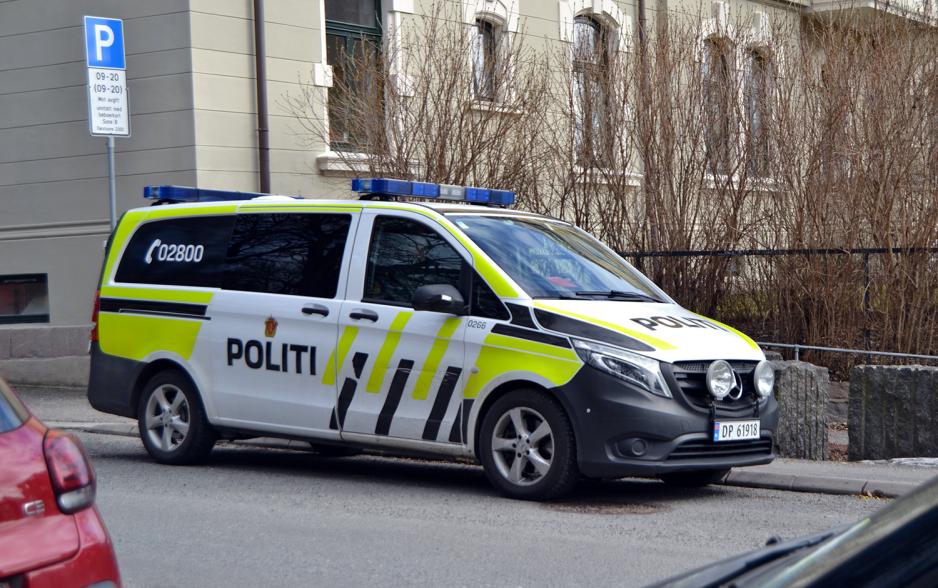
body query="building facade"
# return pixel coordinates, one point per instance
(193, 94)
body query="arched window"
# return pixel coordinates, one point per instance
(719, 104)
(592, 48)
(758, 88)
(486, 60)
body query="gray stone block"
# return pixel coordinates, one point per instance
(6, 336)
(892, 412)
(44, 371)
(802, 391)
(774, 355)
(48, 342)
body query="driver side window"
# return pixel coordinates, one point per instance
(405, 254)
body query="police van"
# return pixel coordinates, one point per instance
(450, 326)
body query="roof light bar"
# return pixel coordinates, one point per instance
(391, 187)
(180, 194)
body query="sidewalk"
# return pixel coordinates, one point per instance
(67, 408)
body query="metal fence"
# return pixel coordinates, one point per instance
(641, 259)
(869, 354)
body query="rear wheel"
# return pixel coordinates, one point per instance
(693, 478)
(527, 447)
(172, 422)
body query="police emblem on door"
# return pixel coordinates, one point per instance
(270, 327)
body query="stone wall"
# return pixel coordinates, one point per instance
(802, 391)
(893, 412)
(45, 356)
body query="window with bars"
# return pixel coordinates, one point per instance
(719, 98)
(486, 60)
(592, 48)
(758, 88)
(353, 49)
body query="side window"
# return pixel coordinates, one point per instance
(287, 253)
(484, 302)
(177, 252)
(404, 255)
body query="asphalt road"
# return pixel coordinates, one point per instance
(265, 517)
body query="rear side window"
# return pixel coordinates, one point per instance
(12, 412)
(177, 252)
(287, 253)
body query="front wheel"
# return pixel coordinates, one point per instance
(172, 422)
(693, 478)
(527, 447)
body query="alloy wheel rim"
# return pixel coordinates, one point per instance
(523, 446)
(167, 417)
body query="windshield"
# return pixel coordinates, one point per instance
(550, 259)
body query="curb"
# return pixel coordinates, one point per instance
(130, 430)
(818, 484)
(740, 478)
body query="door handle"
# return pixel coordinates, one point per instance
(362, 314)
(315, 309)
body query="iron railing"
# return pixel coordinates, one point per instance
(797, 347)
(866, 252)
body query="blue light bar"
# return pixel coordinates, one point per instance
(390, 187)
(179, 194)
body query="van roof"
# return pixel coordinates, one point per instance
(271, 203)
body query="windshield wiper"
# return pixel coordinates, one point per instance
(619, 294)
(564, 296)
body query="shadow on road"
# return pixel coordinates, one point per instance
(627, 496)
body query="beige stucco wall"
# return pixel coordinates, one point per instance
(190, 66)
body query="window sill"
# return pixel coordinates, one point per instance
(755, 183)
(490, 106)
(600, 176)
(343, 164)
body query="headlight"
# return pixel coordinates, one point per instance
(633, 368)
(764, 378)
(720, 379)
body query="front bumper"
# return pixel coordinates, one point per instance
(624, 431)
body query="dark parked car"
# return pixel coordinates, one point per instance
(895, 547)
(50, 531)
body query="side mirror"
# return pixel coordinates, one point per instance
(439, 298)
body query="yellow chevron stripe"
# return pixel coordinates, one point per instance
(334, 365)
(432, 362)
(387, 350)
(517, 344)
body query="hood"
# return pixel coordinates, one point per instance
(666, 332)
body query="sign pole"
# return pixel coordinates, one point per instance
(112, 183)
(108, 109)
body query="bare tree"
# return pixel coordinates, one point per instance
(804, 134)
(448, 103)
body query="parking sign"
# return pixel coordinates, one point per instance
(107, 77)
(104, 42)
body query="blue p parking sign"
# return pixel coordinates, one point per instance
(104, 42)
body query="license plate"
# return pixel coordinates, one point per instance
(735, 430)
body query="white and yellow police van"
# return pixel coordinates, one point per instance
(443, 327)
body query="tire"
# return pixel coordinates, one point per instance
(520, 465)
(325, 450)
(693, 478)
(172, 422)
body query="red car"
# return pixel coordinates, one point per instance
(50, 531)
